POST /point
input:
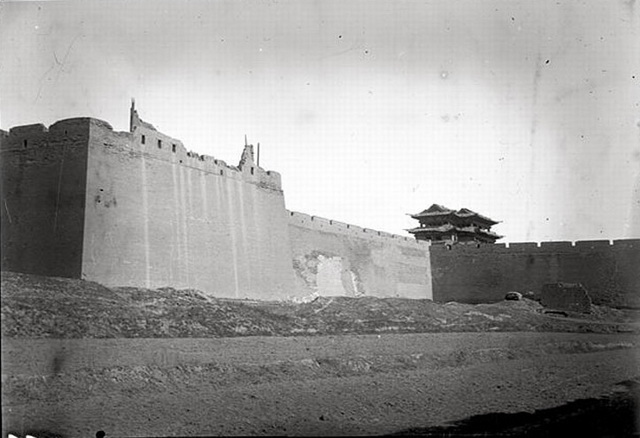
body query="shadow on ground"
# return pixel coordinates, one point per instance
(614, 415)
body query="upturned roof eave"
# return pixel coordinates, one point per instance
(423, 230)
(442, 215)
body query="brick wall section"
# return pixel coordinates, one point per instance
(43, 192)
(334, 258)
(159, 215)
(470, 274)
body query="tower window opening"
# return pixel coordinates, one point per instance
(143, 139)
(252, 171)
(24, 142)
(159, 144)
(173, 148)
(221, 172)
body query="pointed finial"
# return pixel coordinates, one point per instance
(132, 113)
(245, 139)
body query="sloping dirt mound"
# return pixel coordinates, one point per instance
(335, 315)
(34, 306)
(342, 314)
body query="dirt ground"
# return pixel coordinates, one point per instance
(44, 307)
(78, 358)
(339, 385)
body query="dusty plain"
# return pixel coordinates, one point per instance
(78, 358)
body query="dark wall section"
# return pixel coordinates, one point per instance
(471, 274)
(43, 174)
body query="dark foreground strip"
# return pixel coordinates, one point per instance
(614, 415)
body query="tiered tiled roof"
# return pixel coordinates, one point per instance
(440, 223)
(441, 213)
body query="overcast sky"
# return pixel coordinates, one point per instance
(527, 112)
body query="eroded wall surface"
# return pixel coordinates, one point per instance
(159, 215)
(43, 197)
(471, 274)
(334, 258)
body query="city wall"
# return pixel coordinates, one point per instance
(608, 270)
(137, 208)
(334, 258)
(159, 215)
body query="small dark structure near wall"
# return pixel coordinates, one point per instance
(566, 296)
(441, 224)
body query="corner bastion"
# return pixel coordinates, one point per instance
(138, 209)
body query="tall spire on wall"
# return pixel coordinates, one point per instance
(132, 113)
(247, 158)
(134, 120)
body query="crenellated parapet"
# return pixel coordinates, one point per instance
(540, 247)
(147, 140)
(27, 130)
(142, 141)
(61, 133)
(329, 225)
